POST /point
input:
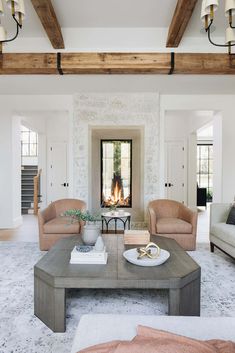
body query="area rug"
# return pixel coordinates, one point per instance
(22, 332)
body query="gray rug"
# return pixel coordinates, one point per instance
(22, 332)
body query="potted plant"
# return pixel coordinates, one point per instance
(90, 229)
(113, 207)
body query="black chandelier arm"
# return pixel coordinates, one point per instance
(18, 27)
(215, 44)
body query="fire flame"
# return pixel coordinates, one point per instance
(116, 193)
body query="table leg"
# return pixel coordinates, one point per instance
(129, 223)
(102, 225)
(49, 305)
(115, 225)
(185, 301)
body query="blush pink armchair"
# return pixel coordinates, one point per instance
(53, 227)
(174, 220)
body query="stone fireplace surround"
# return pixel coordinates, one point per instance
(116, 111)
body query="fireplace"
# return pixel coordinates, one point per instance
(116, 173)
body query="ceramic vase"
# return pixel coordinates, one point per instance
(90, 234)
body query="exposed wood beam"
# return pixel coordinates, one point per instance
(183, 12)
(47, 16)
(116, 63)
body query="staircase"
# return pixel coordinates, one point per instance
(27, 191)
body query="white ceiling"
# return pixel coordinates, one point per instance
(174, 84)
(112, 13)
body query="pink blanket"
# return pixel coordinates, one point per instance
(149, 340)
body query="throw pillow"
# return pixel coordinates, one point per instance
(231, 216)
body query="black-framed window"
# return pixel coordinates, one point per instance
(116, 173)
(29, 142)
(205, 168)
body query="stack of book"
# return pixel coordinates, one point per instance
(82, 254)
(136, 237)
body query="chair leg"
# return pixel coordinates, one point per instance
(212, 246)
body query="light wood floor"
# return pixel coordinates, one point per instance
(28, 231)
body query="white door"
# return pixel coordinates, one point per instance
(175, 171)
(57, 171)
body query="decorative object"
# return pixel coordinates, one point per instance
(91, 230)
(18, 13)
(88, 255)
(90, 233)
(99, 245)
(209, 7)
(132, 256)
(231, 216)
(136, 237)
(152, 251)
(84, 248)
(108, 217)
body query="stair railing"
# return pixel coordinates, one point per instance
(36, 191)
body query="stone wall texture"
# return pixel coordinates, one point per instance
(116, 110)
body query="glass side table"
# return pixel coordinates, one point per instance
(107, 217)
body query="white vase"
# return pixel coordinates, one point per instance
(90, 234)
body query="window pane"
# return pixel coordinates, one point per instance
(33, 149)
(204, 152)
(33, 137)
(25, 137)
(25, 149)
(204, 166)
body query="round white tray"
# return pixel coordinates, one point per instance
(132, 254)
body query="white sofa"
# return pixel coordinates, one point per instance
(222, 235)
(96, 329)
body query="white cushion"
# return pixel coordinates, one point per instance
(225, 232)
(96, 329)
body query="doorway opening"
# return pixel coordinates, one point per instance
(29, 170)
(205, 165)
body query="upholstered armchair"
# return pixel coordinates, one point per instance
(53, 226)
(174, 220)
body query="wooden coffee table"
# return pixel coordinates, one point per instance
(53, 274)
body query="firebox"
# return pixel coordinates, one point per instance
(116, 173)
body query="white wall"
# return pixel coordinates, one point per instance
(13, 107)
(223, 104)
(20, 105)
(182, 125)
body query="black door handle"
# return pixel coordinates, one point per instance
(168, 185)
(65, 185)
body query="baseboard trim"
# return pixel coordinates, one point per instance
(17, 221)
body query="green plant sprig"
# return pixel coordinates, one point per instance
(79, 215)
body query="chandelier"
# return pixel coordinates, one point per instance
(18, 13)
(209, 7)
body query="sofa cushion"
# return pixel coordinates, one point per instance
(173, 225)
(231, 216)
(61, 225)
(225, 232)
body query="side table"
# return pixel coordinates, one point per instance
(108, 217)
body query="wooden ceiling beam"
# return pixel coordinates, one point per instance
(47, 16)
(116, 63)
(183, 13)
